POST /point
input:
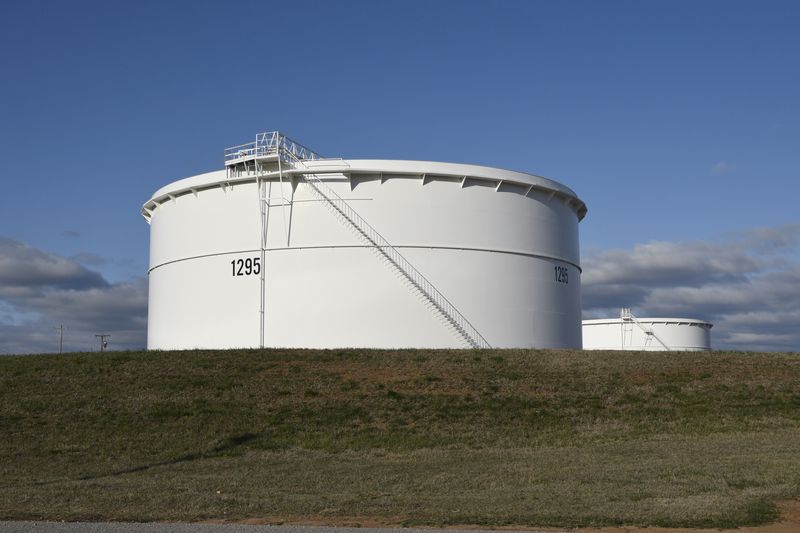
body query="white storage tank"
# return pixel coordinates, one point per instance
(284, 248)
(657, 334)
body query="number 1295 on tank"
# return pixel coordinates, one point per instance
(562, 274)
(246, 267)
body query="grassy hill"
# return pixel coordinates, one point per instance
(536, 438)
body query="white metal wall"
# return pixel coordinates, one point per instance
(493, 251)
(679, 334)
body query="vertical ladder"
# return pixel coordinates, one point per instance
(266, 144)
(457, 322)
(263, 207)
(627, 317)
(627, 329)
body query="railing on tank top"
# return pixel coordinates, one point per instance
(270, 143)
(451, 314)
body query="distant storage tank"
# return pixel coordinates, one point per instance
(658, 334)
(284, 248)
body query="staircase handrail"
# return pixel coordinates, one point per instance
(439, 300)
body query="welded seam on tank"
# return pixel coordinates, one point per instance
(283, 249)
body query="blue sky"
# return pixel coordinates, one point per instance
(678, 123)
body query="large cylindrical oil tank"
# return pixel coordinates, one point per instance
(650, 334)
(500, 247)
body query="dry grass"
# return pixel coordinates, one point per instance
(536, 438)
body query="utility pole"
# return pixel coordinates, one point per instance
(103, 341)
(60, 328)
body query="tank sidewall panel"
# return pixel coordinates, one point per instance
(494, 255)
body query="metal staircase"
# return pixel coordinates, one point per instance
(628, 318)
(451, 316)
(274, 145)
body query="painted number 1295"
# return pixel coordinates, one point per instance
(246, 267)
(562, 274)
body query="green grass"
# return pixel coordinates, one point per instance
(536, 438)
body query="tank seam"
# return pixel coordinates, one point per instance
(281, 249)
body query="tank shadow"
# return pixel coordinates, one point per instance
(227, 445)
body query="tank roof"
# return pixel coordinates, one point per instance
(658, 320)
(411, 168)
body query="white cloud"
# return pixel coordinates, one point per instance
(722, 167)
(24, 266)
(747, 285)
(40, 290)
(89, 259)
(672, 263)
